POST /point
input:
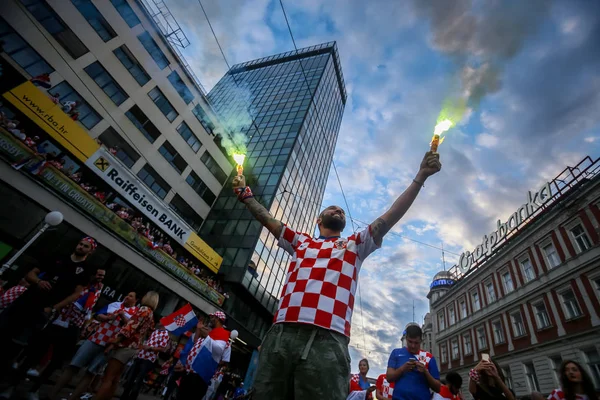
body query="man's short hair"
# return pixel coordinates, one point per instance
(454, 379)
(414, 331)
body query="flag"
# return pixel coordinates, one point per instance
(180, 321)
(214, 349)
(110, 308)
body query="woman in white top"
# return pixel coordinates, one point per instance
(575, 383)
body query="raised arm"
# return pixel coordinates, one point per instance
(429, 166)
(259, 212)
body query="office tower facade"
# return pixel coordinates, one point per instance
(290, 107)
(121, 70)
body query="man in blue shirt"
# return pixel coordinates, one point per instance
(413, 370)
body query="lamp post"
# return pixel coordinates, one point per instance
(53, 218)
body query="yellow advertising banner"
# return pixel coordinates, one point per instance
(203, 252)
(34, 103)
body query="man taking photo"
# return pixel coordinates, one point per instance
(412, 370)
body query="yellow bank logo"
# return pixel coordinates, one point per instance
(101, 164)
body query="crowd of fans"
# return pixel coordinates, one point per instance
(156, 239)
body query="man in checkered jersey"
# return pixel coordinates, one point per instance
(305, 353)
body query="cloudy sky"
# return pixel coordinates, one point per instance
(528, 70)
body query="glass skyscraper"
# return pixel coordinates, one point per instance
(290, 106)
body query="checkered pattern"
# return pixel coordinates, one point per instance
(108, 329)
(355, 386)
(159, 338)
(11, 295)
(386, 388)
(558, 394)
(76, 316)
(192, 354)
(322, 277)
(180, 320)
(424, 357)
(219, 314)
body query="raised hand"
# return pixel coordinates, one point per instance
(430, 165)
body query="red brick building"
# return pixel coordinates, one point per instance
(529, 295)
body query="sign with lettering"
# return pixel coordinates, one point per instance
(442, 282)
(131, 188)
(489, 242)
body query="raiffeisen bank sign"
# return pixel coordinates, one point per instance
(489, 242)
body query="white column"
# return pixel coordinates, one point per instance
(554, 310)
(511, 347)
(588, 302)
(490, 337)
(530, 325)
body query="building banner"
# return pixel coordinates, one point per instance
(131, 188)
(15, 151)
(34, 103)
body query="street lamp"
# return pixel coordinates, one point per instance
(53, 218)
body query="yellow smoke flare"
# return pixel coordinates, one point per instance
(239, 160)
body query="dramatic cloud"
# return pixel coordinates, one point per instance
(530, 71)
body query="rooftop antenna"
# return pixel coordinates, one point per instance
(443, 256)
(413, 311)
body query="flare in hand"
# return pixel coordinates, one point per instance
(239, 159)
(439, 129)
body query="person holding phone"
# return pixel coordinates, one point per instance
(486, 381)
(413, 371)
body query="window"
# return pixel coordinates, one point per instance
(527, 269)
(541, 315)
(532, 380)
(442, 321)
(21, 53)
(203, 119)
(126, 12)
(180, 87)
(593, 362)
(551, 256)
(139, 119)
(455, 354)
(507, 282)
(517, 323)
(498, 332)
(132, 65)
(46, 16)
(570, 305)
(155, 52)
(189, 137)
(467, 344)
(88, 117)
(475, 301)
(452, 315)
(463, 309)
(186, 212)
(555, 364)
(213, 167)
(507, 376)
(106, 82)
(171, 155)
(151, 178)
(490, 292)
(163, 104)
(581, 238)
(96, 20)
(444, 353)
(125, 152)
(481, 338)
(200, 187)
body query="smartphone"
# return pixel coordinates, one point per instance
(485, 357)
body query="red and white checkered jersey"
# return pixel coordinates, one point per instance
(108, 329)
(192, 354)
(75, 314)
(321, 280)
(11, 295)
(386, 388)
(558, 394)
(424, 357)
(159, 338)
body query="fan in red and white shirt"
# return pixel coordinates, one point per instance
(158, 341)
(117, 315)
(385, 390)
(558, 394)
(575, 383)
(451, 390)
(7, 298)
(319, 290)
